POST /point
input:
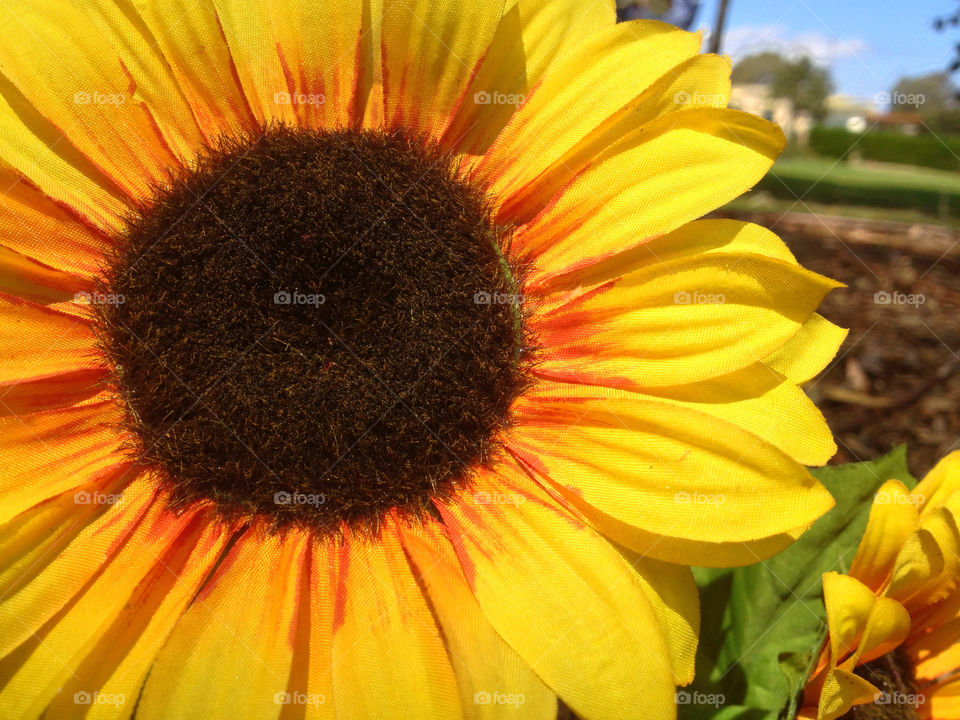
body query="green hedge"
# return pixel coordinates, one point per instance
(889, 146)
(824, 191)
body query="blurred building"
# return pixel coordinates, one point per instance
(756, 98)
(848, 112)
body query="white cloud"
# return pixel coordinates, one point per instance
(745, 40)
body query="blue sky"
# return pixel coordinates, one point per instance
(868, 44)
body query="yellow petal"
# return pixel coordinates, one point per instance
(848, 603)
(700, 81)
(430, 52)
(673, 594)
(237, 635)
(71, 73)
(38, 341)
(665, 469)
(893, 517)
(841, 691)
(487, 668)
(765, 404)
(552, 28)
(698, 238)
(302, 62)
(940, 523)
(944, 702)
(886, 629)
(680, 321)
(116, 667)
(48, 453)
(32, 539)
(809, 351)
(680, 167)
(538, 572)
(940, 483)
(65, 175)
(389, 659)
(312, 671)
(582, 89)
(33, 225)
(531, 35)
(919, 561)
(25, 612)
(190, 38)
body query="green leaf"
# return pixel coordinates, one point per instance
(763, 625)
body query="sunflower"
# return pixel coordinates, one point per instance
(893, 649)
(370, 360)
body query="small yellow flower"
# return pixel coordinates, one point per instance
(893, 649)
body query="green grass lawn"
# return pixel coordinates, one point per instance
(884, 175)
(931, 194)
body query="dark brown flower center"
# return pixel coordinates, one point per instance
(900, 699)
(315, 327)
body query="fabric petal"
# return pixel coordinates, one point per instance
(302, 62)
(809, 351)
(679, 321)
(236, 636)
(665, 469)
(583, 88)
(841, 691)
(33, 225)
(492, 677)
(430, 52)
(677, 169)
(673, 593)
(190, 38)
(940, 483)
(893, 518)
(848, 604)
(919, 561)
(127, 640)
(389, 659)
(48, 453)
(38, 341)
(765, 404)
(75, 78)
(86, 558)
(550, 584)
(695, 239)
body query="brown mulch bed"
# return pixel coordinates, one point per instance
(896, 378)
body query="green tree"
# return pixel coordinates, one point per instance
(929, 94)
(759, 68)
(806, 84)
